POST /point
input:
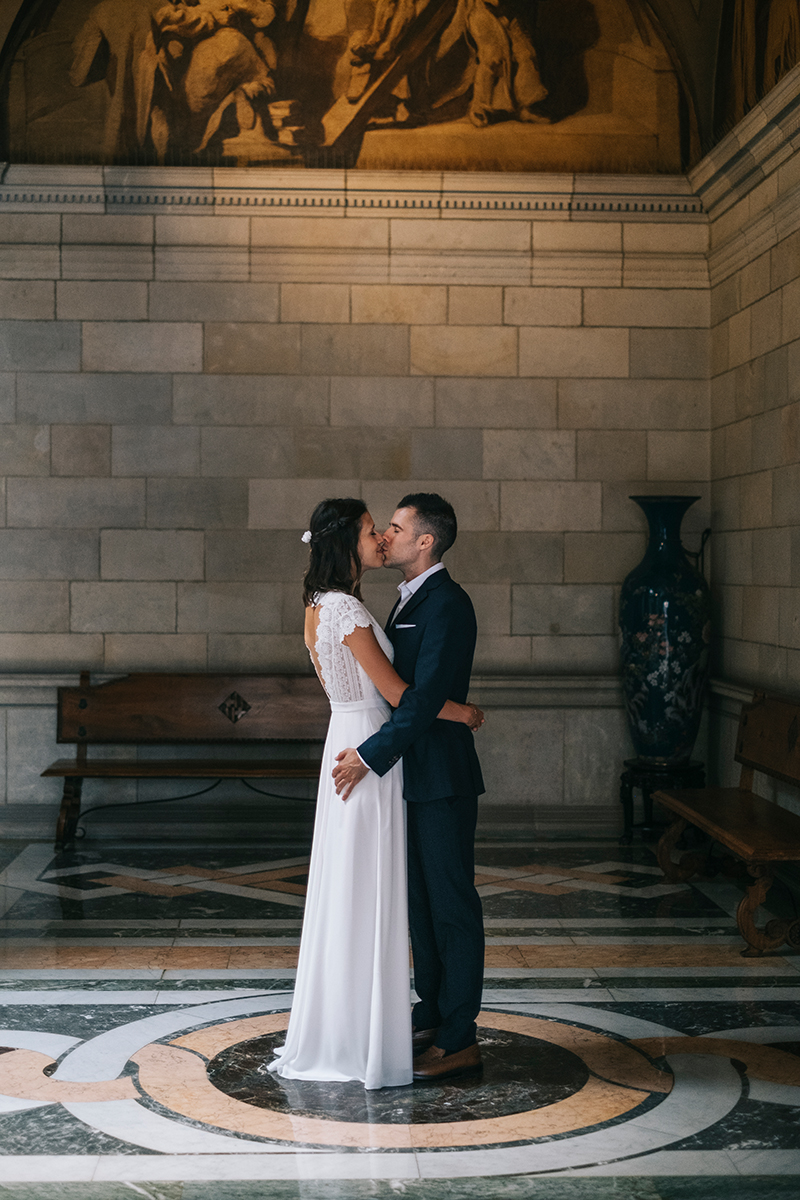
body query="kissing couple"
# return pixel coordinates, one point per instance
(399, 752)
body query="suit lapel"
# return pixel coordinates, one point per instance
(387, 627)
(433, 581)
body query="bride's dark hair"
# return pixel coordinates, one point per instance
(335, 562)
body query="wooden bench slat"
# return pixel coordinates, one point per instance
(755, 829)
(152, 707)
(185, 768)
(172, 708)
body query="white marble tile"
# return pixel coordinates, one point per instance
(46, 1168)
(80, 996)
(774, 1093)
(538, 972)
(554, 995)
(45, 943)
(760, 1034)
(606, 868)
(223, 941)
(667, 1162)
(11, 1104)
(251, 923)
(54, 1044)
(702, 995)
(83, 996)
(722, 939)
(750, 967)
(129, 1121)
(9, 897)
(26, 866)
(619, 1023)
(267, 897)
(707, 1081)
(719, 922)
(45, 973)
(92, 923)
(224, 973)
(173, 997)
(766, 1162)
(304, 1165)
(527, 941)
(653, 892)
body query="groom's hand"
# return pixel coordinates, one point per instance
(350, 771)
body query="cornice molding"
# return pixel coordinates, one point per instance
(25, 188)
(761, 143)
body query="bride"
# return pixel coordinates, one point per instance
(351, 1015)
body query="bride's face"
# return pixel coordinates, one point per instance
(370, 545)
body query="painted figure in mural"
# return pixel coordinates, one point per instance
(507, 81)
(116, 44)
(374, 40)
(780, 45)
(783, 40)
(174, 70)
(214, 54)
(504, 74)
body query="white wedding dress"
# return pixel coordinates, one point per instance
(351, 1014)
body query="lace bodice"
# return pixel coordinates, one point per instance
(344, 680)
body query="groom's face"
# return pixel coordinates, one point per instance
(400, 540)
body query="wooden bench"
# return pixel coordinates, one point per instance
(152, 709)
(757, 831)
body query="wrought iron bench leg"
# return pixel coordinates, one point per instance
(70, 811)
(626, 799)
(776, 931)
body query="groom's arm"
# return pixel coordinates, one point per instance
(447, 637)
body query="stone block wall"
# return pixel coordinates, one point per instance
(178, 389)
(752, 186)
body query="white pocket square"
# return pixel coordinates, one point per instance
(398, 626)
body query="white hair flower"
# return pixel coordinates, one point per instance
(306, 537)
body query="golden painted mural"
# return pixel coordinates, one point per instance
(497, 85)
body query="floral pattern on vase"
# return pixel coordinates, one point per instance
(665, 629)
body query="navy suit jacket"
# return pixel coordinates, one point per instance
(433, 653)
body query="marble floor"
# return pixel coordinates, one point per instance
(630, 1050)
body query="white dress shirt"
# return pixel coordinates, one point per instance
(407, 590)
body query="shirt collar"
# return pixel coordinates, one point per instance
(407, 590)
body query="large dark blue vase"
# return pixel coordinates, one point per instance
(664, 617)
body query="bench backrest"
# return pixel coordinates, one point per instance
(768, 739)
(194, 708)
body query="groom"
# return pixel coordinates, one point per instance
(432, 628)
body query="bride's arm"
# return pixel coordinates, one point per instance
(365, 649)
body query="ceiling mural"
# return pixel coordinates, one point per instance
(499, 85)
(760, 43)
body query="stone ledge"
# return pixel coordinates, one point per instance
(495, 691)
(236, 823)
(334, 193)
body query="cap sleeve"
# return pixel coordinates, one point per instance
(350, 614)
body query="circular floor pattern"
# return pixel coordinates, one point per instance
(520, 1074)
(609, 1079)
(625, 1109)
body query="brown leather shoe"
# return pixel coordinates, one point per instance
(421, 1039)
(434, 1064)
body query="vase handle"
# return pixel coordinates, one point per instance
(699, 556)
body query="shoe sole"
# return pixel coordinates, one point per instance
(476, 1069)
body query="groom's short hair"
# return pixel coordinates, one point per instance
(434, 516)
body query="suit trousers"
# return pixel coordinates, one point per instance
(445, 918)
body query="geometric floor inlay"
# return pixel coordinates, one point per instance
(623, 1034)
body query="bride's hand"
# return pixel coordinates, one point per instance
(473, 717)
